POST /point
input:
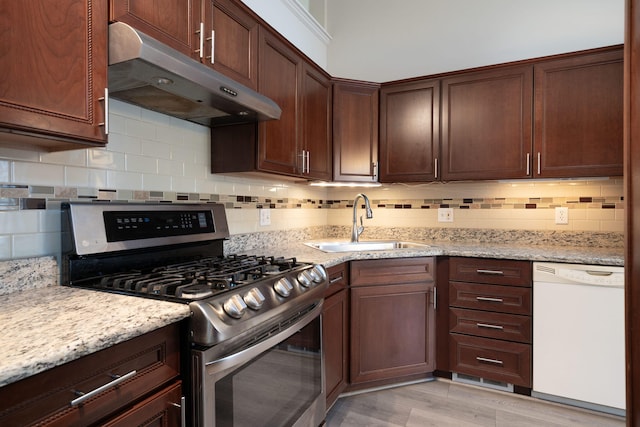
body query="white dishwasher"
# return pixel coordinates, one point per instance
(578, 335)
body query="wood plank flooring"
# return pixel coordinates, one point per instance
(443, 403)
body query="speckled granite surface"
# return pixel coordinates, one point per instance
(45, 325)
(59, 324)
(29, 273)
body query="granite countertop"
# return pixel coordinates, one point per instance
(563, 254)
(44, 327)
(58, 324)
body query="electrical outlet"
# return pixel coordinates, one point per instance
(445, 214)
(265, 216)
(562, 215)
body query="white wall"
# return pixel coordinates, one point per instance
(295, 23)
(380, 40)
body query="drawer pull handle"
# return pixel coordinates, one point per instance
(492, 361)
(183, 411)
(489, 326)
(489, 299)
(85, 396)
(490, 272)
(336, 279)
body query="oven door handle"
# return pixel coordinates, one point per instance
(221, 366)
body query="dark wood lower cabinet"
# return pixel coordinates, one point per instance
(335, 332)
(490, 319)
(392, 319)
(148, 396)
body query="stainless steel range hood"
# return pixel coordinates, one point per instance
(147, 73)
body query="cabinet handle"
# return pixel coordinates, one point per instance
(539, 162)
(435, 298)
(117, 379)
(493, 361)
(213, 46)
(435, 167)
(374, 166)
(528, 164)
(183, 411)
(200, 33)
(305, 161)
(336, 279)
(489, 299)
(489, 326)
(490, 272)
(308, 161)
(105, 99)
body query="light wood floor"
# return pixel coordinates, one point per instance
(444, 403)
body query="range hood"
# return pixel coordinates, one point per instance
(145, 72)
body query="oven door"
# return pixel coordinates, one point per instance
(278, 381)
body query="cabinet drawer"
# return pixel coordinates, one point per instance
(148, 362)
(492, 271)
(338, 278)
(510, 327)
(492, 359)
(501, 299)
(391, 271)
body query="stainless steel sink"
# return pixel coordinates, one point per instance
(365, 245)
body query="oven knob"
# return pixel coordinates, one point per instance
(318, 273)
(235, 306)
(305, 278)
(283, 287)
(254, 298)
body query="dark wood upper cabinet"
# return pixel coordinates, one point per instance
(355, 131)
(175, 23)
(316, 119)
(409, 131)
(487, 124)
(299, 143)
(231, 41)
(54, 73)
(579, 116)
(279, 79)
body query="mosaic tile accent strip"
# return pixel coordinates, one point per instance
(10, 192)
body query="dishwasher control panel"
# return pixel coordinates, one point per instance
(597, 275)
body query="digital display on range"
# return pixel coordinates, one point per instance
(131, 225)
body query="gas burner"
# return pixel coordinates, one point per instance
(193, 292)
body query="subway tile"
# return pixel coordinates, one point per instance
(5, 247)
(68, 157)
(103, 159)
(121, 143)
(37, 244)
(151, 182)
(140, 129)
(144, 164)
(38, 173)
(14, 222)
(124, 180)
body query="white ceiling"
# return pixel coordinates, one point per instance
(384, 40)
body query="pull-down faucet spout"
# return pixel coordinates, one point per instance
(355, 230)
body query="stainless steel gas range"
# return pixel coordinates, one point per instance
(255, 354)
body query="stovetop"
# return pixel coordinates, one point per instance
(194, 280)
(175, 252)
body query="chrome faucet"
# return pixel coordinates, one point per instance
(357, 231)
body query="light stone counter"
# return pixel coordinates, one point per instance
(45, 325)
(50, 326)
(564, 254)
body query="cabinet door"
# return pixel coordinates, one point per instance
(409, 131)
(578, 116)
(175, 23)
(487, 124)
(231, 41)
(335, 342)
(278, 79)
(315, 122)
(392, 331)
(54, 71)
(162, 409)
(355, 131)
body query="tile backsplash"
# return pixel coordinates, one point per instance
(153, 157)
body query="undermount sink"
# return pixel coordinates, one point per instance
(366, 245)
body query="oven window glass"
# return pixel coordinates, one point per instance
(275, 388)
